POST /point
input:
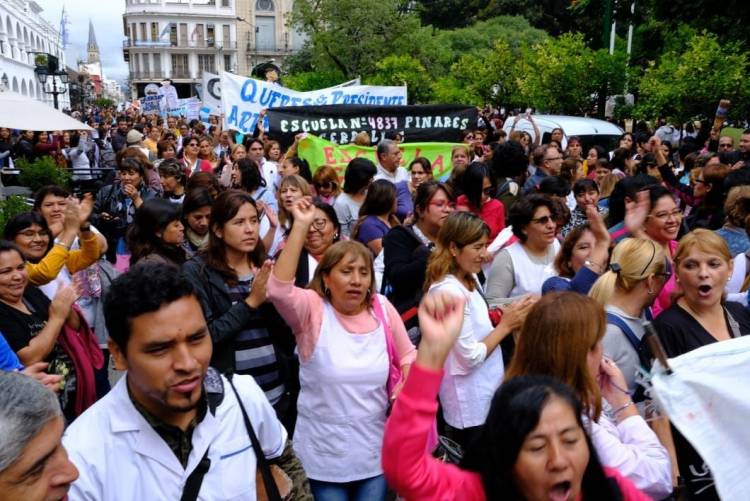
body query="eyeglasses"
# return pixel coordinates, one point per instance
(193, 144)
(326, 185)
(543, 220)
(442, 204)
(665, 216)
(319, 224)
(725, 145)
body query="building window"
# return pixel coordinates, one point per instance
(173, 35)
(226, 34)
(210, 35)
(227, 62)
(198, 34)
(183, 35)
(154, 32)
(264, 5)
(134, 31)
(157, 65)
(146, 65)
(206, 62)
(180, 66)
(225, 3)
(143, 32)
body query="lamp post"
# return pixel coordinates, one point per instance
(47, 66)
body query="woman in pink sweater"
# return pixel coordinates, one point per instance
(534, 445)
(348, 338)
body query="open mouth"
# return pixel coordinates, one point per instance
(704, 290)
(560, 491)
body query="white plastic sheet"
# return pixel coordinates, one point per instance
(708, 399)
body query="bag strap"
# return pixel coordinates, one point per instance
(195, 480)
(734, 327)
(265, 469)
(379, 314)
(625, 328)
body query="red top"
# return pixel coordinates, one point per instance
(492, 213)
(413, 473)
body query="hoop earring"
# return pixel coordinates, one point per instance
(327, 292)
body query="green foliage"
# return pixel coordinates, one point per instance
(9, 207)
(104, 102)
(562, 75)
(351, 36)
(404, 70)
(446, 14)
(313, 80)
(682, 84)
(41, 172)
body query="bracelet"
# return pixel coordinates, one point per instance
(66, 247)
(622, 408)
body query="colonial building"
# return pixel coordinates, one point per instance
(180, 39)
(23, 32)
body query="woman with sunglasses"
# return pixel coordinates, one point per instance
(700, 316)
(638, 271)
(406, 249)
(207, 153)
(326, 184)
(478, 188)
(190, 159)
(522, 267)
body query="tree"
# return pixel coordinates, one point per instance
(687, 83)
(404, 70)
(446, 14)
(351, 36)
(563, 75)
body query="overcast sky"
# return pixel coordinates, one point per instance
(107, 18)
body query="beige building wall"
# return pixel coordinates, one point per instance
(263, 34)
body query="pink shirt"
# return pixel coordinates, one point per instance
(302, 309)
(664, 299)
(415, 474)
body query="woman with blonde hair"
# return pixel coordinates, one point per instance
(474, 368)
(460, 159)
(206, 151)
(637, 272)
(291, 189)
(349, 339)
(562, 338)
(700, 316)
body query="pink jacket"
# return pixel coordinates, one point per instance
(416, 475)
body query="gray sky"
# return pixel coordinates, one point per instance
(107, 18)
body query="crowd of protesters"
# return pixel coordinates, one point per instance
(207, 305)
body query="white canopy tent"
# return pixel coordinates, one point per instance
(26, 113)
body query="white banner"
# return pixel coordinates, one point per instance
(243, 98)
(211, 92)
(707, 397)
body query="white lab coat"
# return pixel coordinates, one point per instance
(121, 457)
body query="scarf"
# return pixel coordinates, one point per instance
(197, 241)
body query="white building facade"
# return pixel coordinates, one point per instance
(23, 31)
(180, 39)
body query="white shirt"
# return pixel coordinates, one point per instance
(634, 450)
(471, 377)
(401, 174)
(119, 455)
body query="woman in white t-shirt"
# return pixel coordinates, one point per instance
(474, 368)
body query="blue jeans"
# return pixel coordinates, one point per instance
(368, 489)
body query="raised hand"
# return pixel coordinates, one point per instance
(303, 212)
(596, 224)
(257, 295)
(636, 212)
(85, 207)
(273, 218)
(63, 301)
(441, 316)
(612, 383)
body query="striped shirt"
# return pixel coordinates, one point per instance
(254, 352)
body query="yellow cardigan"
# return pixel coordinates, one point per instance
(49, 267)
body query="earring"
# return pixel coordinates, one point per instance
(327, 292)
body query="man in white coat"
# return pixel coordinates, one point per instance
(172, 428)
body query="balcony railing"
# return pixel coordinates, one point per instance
(181, 43)
(268, 48)
(152, 74)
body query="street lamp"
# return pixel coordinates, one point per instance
(48, 65)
